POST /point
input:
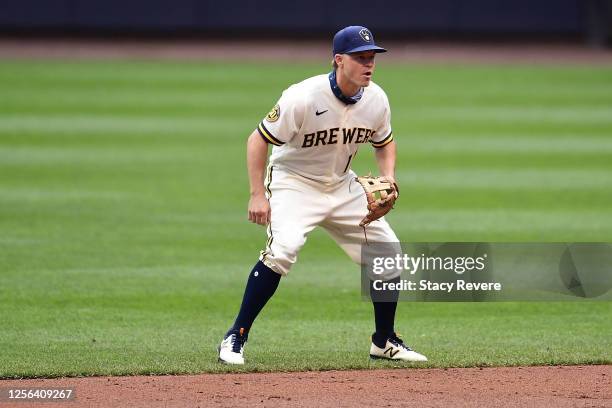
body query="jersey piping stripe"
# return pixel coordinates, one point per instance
(265, 133)
(383, 142)
(269, 180)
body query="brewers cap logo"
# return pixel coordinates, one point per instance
(365, 34)
(274, 114)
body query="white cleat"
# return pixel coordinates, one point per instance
(231, 350)
(395, 349)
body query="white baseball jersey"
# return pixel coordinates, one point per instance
(309, 182)
(316, 135)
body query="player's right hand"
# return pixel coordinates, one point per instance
(259, 209)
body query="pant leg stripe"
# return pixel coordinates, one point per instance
(270, 236)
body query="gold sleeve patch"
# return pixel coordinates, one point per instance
(274, 114)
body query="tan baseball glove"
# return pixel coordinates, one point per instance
(381, 194)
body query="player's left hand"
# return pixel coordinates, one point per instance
(394, 182)
(381, 193)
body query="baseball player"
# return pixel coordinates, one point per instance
(315, 130)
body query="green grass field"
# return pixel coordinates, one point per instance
(124, 245)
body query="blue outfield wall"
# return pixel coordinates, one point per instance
(319, 16)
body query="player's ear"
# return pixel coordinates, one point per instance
(337, 60)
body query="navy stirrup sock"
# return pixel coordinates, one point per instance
(260, 287)
(384, 314)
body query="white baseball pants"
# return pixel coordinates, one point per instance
(299, 204)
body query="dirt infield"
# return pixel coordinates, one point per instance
(254, 50)
(558, 386)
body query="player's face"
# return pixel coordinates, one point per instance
(359, 67)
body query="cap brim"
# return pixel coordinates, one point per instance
(366, 48)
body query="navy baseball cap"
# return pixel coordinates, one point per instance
(355, 39)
